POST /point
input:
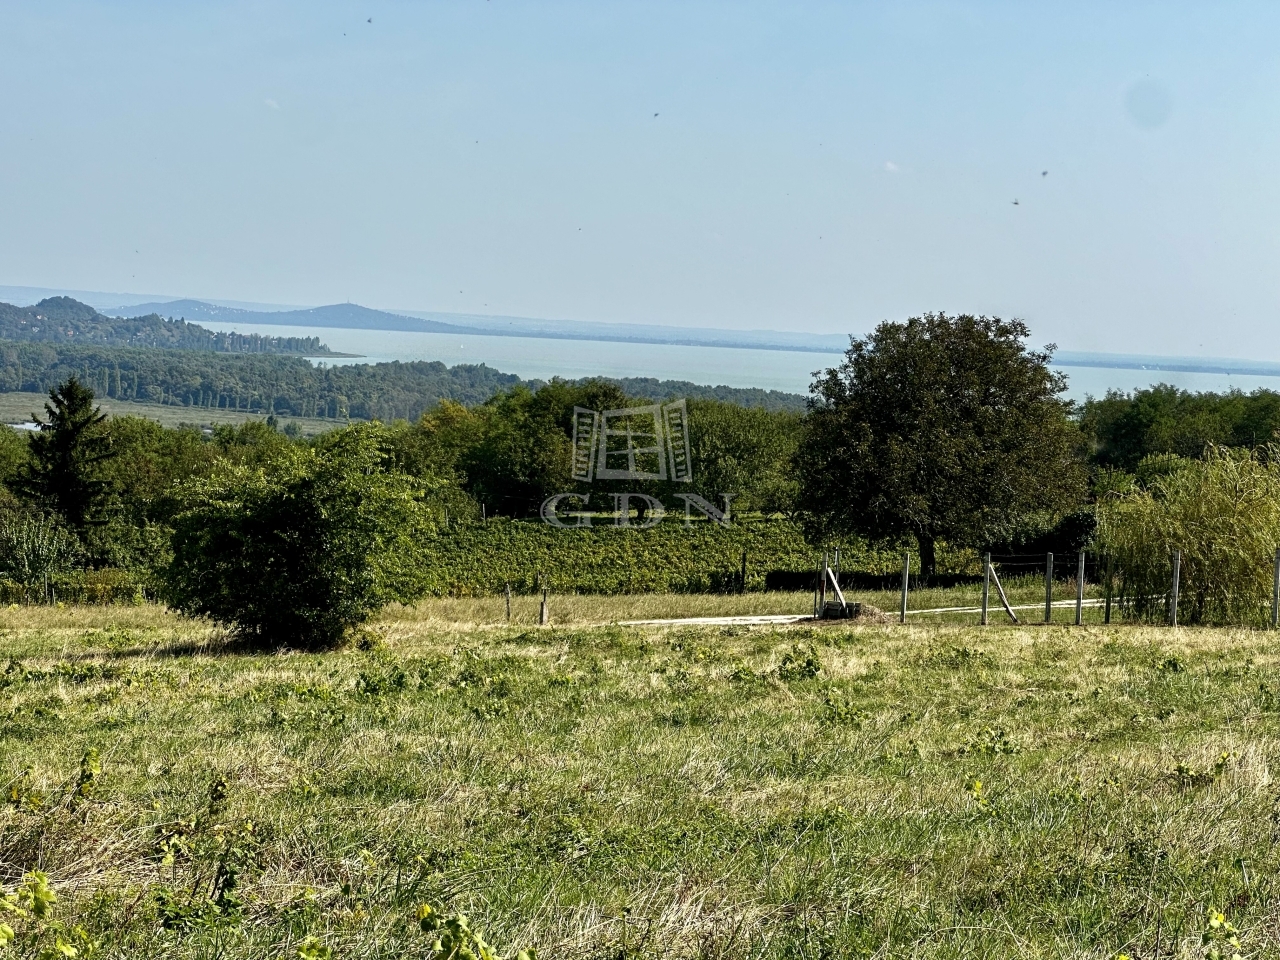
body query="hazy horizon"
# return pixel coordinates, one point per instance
(817, 167)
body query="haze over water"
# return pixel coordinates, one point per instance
(790, 371)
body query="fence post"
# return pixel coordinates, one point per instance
(906, 574)
(542, 611)
(1106, 617)
(743, 579)
(986, 584)
(1173, 599)
(1275, 594)
(1048, 587)
(822, 591)
(1080, 589)
(817, 575)
(508, 601)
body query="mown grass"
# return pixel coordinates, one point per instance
(601, 791)
(594, 609)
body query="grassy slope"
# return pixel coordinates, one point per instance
(613, 792)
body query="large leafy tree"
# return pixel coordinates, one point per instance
(299, 551)
(939, 428)
(68, 455)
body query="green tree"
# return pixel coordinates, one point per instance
(744, 452)
(298, 552)
(65, 472)
(523, 451)
(1123, 429)
(939, 428)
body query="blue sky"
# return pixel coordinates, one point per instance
(811, 166)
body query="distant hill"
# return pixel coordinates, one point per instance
(348, 316)
(64, 320)
(352, 316)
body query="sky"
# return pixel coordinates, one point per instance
(795, 166)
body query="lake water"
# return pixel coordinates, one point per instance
(789, 371)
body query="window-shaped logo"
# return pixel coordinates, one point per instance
(639, 443)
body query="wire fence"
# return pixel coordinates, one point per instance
(1083, 575)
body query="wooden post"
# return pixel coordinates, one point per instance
(1173, 597)
(1003, 599)
(1275, 594)
(1048, 588)
(817, 576)
(1106, 617)
(542, 611)
(986, 584)
(1080, 589)
(742, 581)
(508, 602)
(906, 576)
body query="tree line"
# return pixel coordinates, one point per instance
(292, 386)
(64, 320)
(940, 430)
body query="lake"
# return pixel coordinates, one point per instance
(786, 370)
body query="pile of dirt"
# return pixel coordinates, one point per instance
(857, 613)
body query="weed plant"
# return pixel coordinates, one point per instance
(1223, 513)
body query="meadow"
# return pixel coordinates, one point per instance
(593, 790)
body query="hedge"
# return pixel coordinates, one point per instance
(85, 586)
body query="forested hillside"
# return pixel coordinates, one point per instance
(262, 383)
(64, 320)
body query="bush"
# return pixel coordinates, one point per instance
(34, 549)
(1223, 513)
(298, 553)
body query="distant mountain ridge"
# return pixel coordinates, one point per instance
(353, 316)
(64, 320)
(348, 316)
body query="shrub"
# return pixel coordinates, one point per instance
(299, 552)
(1223, 513)
(34, 549)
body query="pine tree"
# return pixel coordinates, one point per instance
(67, 454)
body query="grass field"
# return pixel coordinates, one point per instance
(18, 408)
(594, 791)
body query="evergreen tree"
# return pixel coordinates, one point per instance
(65, 472)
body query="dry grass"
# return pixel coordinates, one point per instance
(659, 792)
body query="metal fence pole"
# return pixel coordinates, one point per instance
(1048, 587)
(1080, 589)
(1106, 617)
(1275, 595)
(822, 595)
(1173, 598)
(906, 574)
(986, 584)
